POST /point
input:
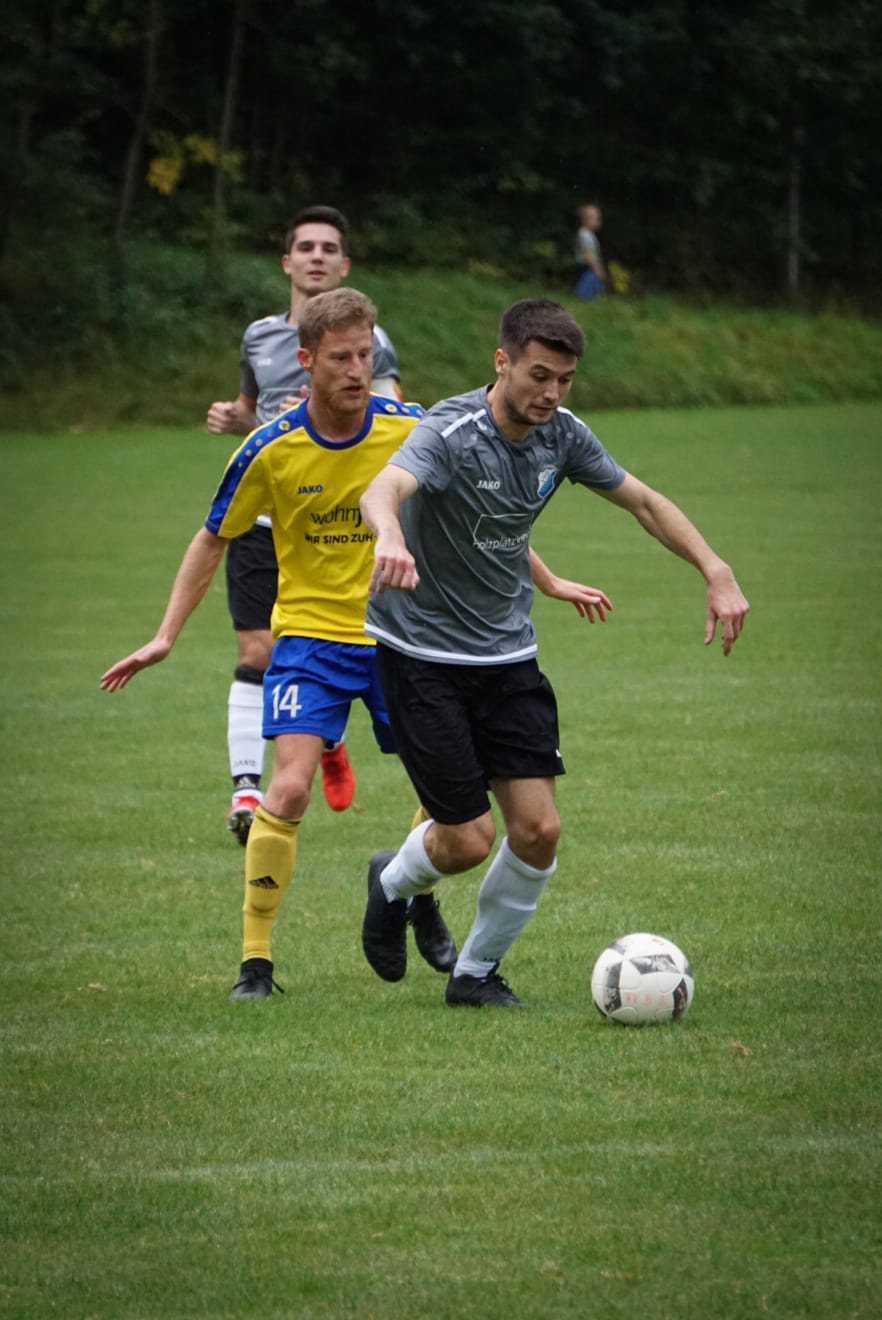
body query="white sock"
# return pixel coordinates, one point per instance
(507, 899)
(410, 871)
(245, 729)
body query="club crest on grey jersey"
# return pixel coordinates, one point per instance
(545, 483)
(468, 527)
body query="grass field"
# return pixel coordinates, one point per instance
(358, 1149)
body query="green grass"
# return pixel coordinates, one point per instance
(355, 1148)
(164, 355)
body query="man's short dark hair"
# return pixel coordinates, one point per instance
(542, 319)
(320, 215)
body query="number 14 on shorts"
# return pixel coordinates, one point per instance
(286, 701)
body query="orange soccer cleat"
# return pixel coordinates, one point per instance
(338, 778)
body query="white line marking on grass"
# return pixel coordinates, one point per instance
(829, 1145)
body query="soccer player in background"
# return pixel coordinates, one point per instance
(315, 259)
(450, 601)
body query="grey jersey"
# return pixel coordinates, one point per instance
(269, 369)
(468, 528)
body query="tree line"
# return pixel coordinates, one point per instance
(733, 150)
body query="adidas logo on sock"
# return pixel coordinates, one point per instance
(264, 882)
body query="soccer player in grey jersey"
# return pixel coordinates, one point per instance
(456, 654)
(316, 260)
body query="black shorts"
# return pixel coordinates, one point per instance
(252, 579)
(459, 726)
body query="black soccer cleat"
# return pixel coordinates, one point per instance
(384, 930)
(430, 932)
(255, 980)
(481, 991)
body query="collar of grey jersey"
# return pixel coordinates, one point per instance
(485, 412)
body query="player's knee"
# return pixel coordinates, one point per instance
(460, 847)
(535, 839)
(289, 793)
(255, 651)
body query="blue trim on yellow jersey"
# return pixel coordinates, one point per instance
(336, 444)
(245, 455)
(295, 419)
(381, 404)
(311, 491)
(377, 403)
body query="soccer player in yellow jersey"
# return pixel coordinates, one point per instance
(315, 259)
(307, 469)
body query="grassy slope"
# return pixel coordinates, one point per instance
(168, 357)
(356, 1148)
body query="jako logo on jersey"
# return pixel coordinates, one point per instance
(489, 485)
(545, 484)
(310, 490)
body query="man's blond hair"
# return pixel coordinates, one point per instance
(336, 310)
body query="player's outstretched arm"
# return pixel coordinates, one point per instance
(726, 603)
(587, 600)
(192, 580)
(394, 565)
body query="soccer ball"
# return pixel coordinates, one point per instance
(642, 978)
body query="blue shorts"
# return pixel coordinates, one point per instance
(310, 687)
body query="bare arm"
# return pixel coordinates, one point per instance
(585, 599)
(669, 525)
(394, 565)
(235, 417)
(192, 580)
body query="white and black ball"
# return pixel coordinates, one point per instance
(642, 978)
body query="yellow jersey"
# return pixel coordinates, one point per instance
(310, 487)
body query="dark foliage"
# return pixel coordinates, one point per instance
(732, 154)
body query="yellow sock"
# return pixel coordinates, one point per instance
(269, 868)
(419, 816)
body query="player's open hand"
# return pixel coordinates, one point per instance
(119, 674)
(588, 601)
